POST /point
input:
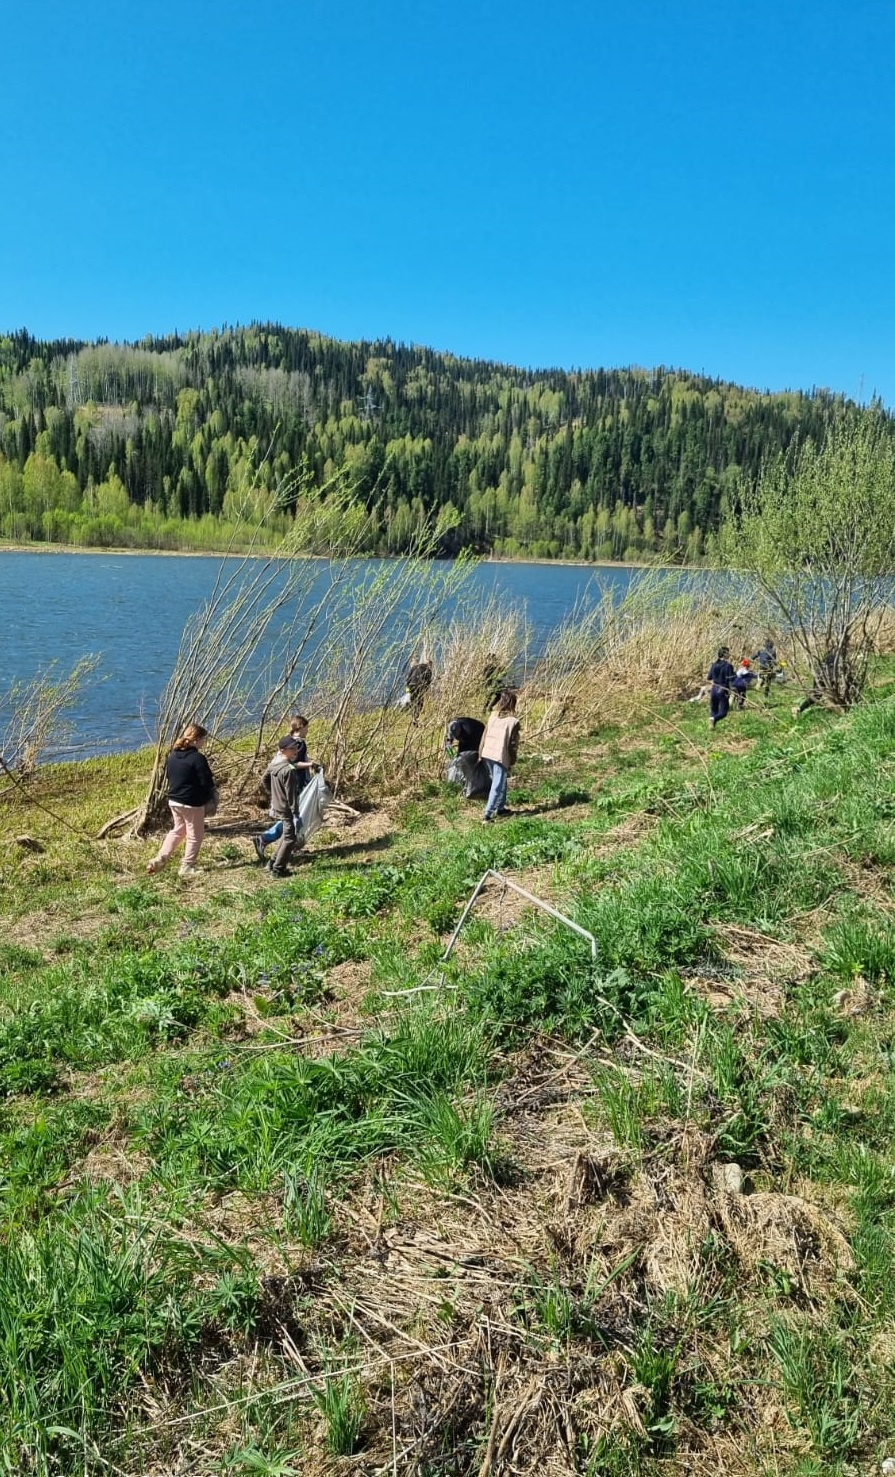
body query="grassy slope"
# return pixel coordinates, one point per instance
(263, 1214)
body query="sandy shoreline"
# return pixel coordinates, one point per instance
(271, 553)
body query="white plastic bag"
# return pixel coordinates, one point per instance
(314, 799)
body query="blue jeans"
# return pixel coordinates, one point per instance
(274, 832)
(497, 799)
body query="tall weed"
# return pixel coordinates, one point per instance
(87, 1303)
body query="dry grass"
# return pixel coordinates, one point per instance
(614, 660)
(442, 1302)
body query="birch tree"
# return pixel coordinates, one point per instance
(816, 531)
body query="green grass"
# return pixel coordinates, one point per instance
(278, 1133)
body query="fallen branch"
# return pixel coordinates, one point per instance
(115, 822)
(344, 809)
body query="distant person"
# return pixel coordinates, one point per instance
(190, 788)
(495, 679)
(281, 776)
(298, 729)
(744, 679)
(499, 749)
(419, 680)
(463, 735)
(766, 661)
(720, 678)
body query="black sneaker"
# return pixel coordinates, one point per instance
(279, 871)
(258, 843)
(505, 810)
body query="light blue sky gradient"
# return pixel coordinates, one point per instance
(577, 184)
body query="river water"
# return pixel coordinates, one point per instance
(129, 610)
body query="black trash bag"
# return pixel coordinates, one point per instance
(472, 772)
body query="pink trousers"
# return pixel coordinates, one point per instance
(189, 825)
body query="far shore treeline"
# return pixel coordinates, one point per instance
(179, 442)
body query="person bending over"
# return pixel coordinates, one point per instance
(464, 733)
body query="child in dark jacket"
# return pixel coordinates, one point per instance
(284, 792)
(298, 729)
(721, 676)
(190, 788)
(465, 733)
(742, 682)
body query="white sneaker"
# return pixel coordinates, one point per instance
(188, 871)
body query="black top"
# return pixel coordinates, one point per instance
(419, 678)
(302, 775)
(466, 733)
(766, 656)
(190, 781)
(721, 673)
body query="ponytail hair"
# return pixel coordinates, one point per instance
(190, 736)
(506, 703)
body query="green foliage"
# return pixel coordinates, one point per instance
(654, 1366)
(167, 448)
(278, 1115)
(250, 1462)
(36, 1154)
(439, 882)
(545, 980)
(615, 1456)
(620, 1102)
(818, 1375)
(88, 1302)
(305, 1213)
(648, 925)
(234, 1300)
(362, 894)
(90, 1011)
(16, 959)
(860, 944)
(342, 1404)
(817, 528)
(456, 1138)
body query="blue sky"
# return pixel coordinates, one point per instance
(577, 184)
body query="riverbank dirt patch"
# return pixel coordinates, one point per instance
(497, 1320)
(344, 834)
(759, 971)
(42, 930)
(503, 907)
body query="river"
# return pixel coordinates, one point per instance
(129, 610)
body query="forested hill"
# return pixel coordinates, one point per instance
(153, 443)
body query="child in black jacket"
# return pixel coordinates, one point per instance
(190, 788)
(721, 676)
